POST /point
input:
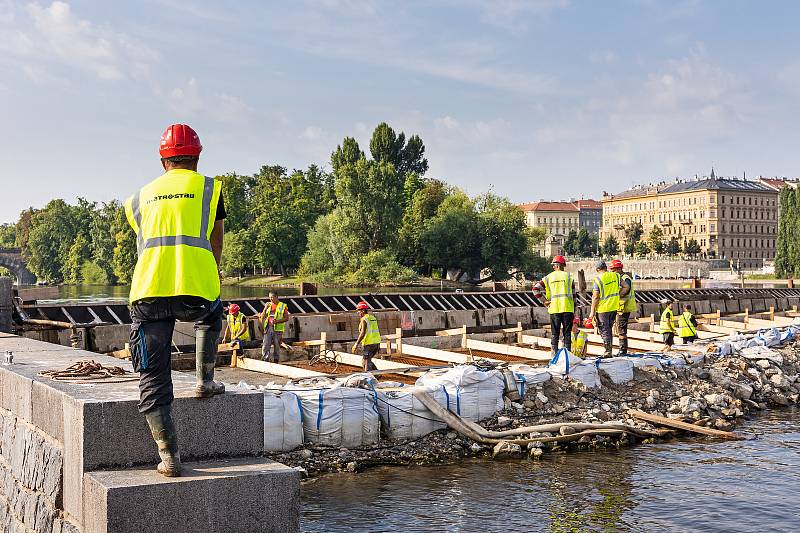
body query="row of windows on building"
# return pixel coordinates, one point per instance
(738, 254)
(682, 202)
(761, 243)
(556, 220)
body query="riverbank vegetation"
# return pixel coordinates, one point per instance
(374, 218)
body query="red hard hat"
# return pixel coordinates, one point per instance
(616, 263)
(179, 139)
(559, 259)
(233, 309)
(362, 306)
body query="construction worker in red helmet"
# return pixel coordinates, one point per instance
(178, 219)
(237, 327)
(369, 336)
(605, 304)
(627, 305)
(559, 297)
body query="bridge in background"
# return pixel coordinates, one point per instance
(12, 259)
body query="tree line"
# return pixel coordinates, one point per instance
(787, 253)
(636, 244)
(373, 217)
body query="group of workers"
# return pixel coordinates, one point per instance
(613, 301)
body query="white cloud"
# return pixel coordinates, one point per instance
(312, 133)
(515, 15)
(40, 36)
(603, 57)
(190, 100)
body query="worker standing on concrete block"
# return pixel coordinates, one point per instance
(605, 303)
(178, 219)
(273, 323)
(687, 325)
(559, 297)
(627, 305)
(369, 336)
(667, 325)
(236, 327)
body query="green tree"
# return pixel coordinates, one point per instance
(237, 252)
(503, 238)
(610, 246)
(450, 239)
(673, 247)
(101, 233)
(642, 249)
(587, 243)
(124, 256)
(691, 248)
(424, 203)
(347, 153)
(571, 243)
(236, 193)
(8, 235)
(633, 233)
(52, 233)
(656, 239)
(783, 265)
(79, 253)
(386, 146)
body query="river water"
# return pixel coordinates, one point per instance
(691, 485)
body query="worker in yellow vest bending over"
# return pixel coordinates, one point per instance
(369, 336)
(273, 323)
(627, 305)
(559, 296)
(178, 219)
(236, 327)
(605, 303)
(687, 325)
(667, 325)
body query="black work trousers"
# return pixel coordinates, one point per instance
(151, 341)
(561, 325)
(605, 323)
(622, 325)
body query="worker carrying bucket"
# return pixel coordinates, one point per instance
(369, 336)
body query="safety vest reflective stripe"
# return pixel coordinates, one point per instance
(666, 325)
(558, 290)
(373, 334)
(685, 326)
(202, 241)
(280, 310)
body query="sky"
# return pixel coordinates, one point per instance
(536, 99)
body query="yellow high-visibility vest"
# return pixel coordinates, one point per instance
(276, 315)
(666, 325)
(607, 284)
(173, 217)
(373, 335)
(558, 289)
(579, 339)
(685, 326)
(627, 303)
(236, 323)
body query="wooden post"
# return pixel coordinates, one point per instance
(653, 323)
(746, 315)
(772, 312)
(464, 336)
(234, 358)
(790, 283)
(399, 333)
(519, 333)
(719, 317)
(323, 339)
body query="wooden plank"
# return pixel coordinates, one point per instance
(719, 329)
(436, 355)
(776, 322)
(277, 369)
(677, 424)
(382, 364)
(544, 342)
(505, 349)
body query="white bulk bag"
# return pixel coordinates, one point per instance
(645, 360)
(404, 417)
(468, 392)
(526, 375)
(338, 416)
(283, 421)
(566, 364)
(618, 369)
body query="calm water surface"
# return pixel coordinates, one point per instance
(751, 485)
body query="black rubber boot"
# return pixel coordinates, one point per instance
(623, 347)
(607, 349)
(205, 359)
(163, 430)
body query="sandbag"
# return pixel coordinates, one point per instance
(338, 416)
(470, 393)
(565, 364)
(404, 417)
(283, 421)
(618, 369)
(762, 352)
(526, 375)
(645, 360)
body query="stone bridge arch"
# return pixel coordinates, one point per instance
(12, 259)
